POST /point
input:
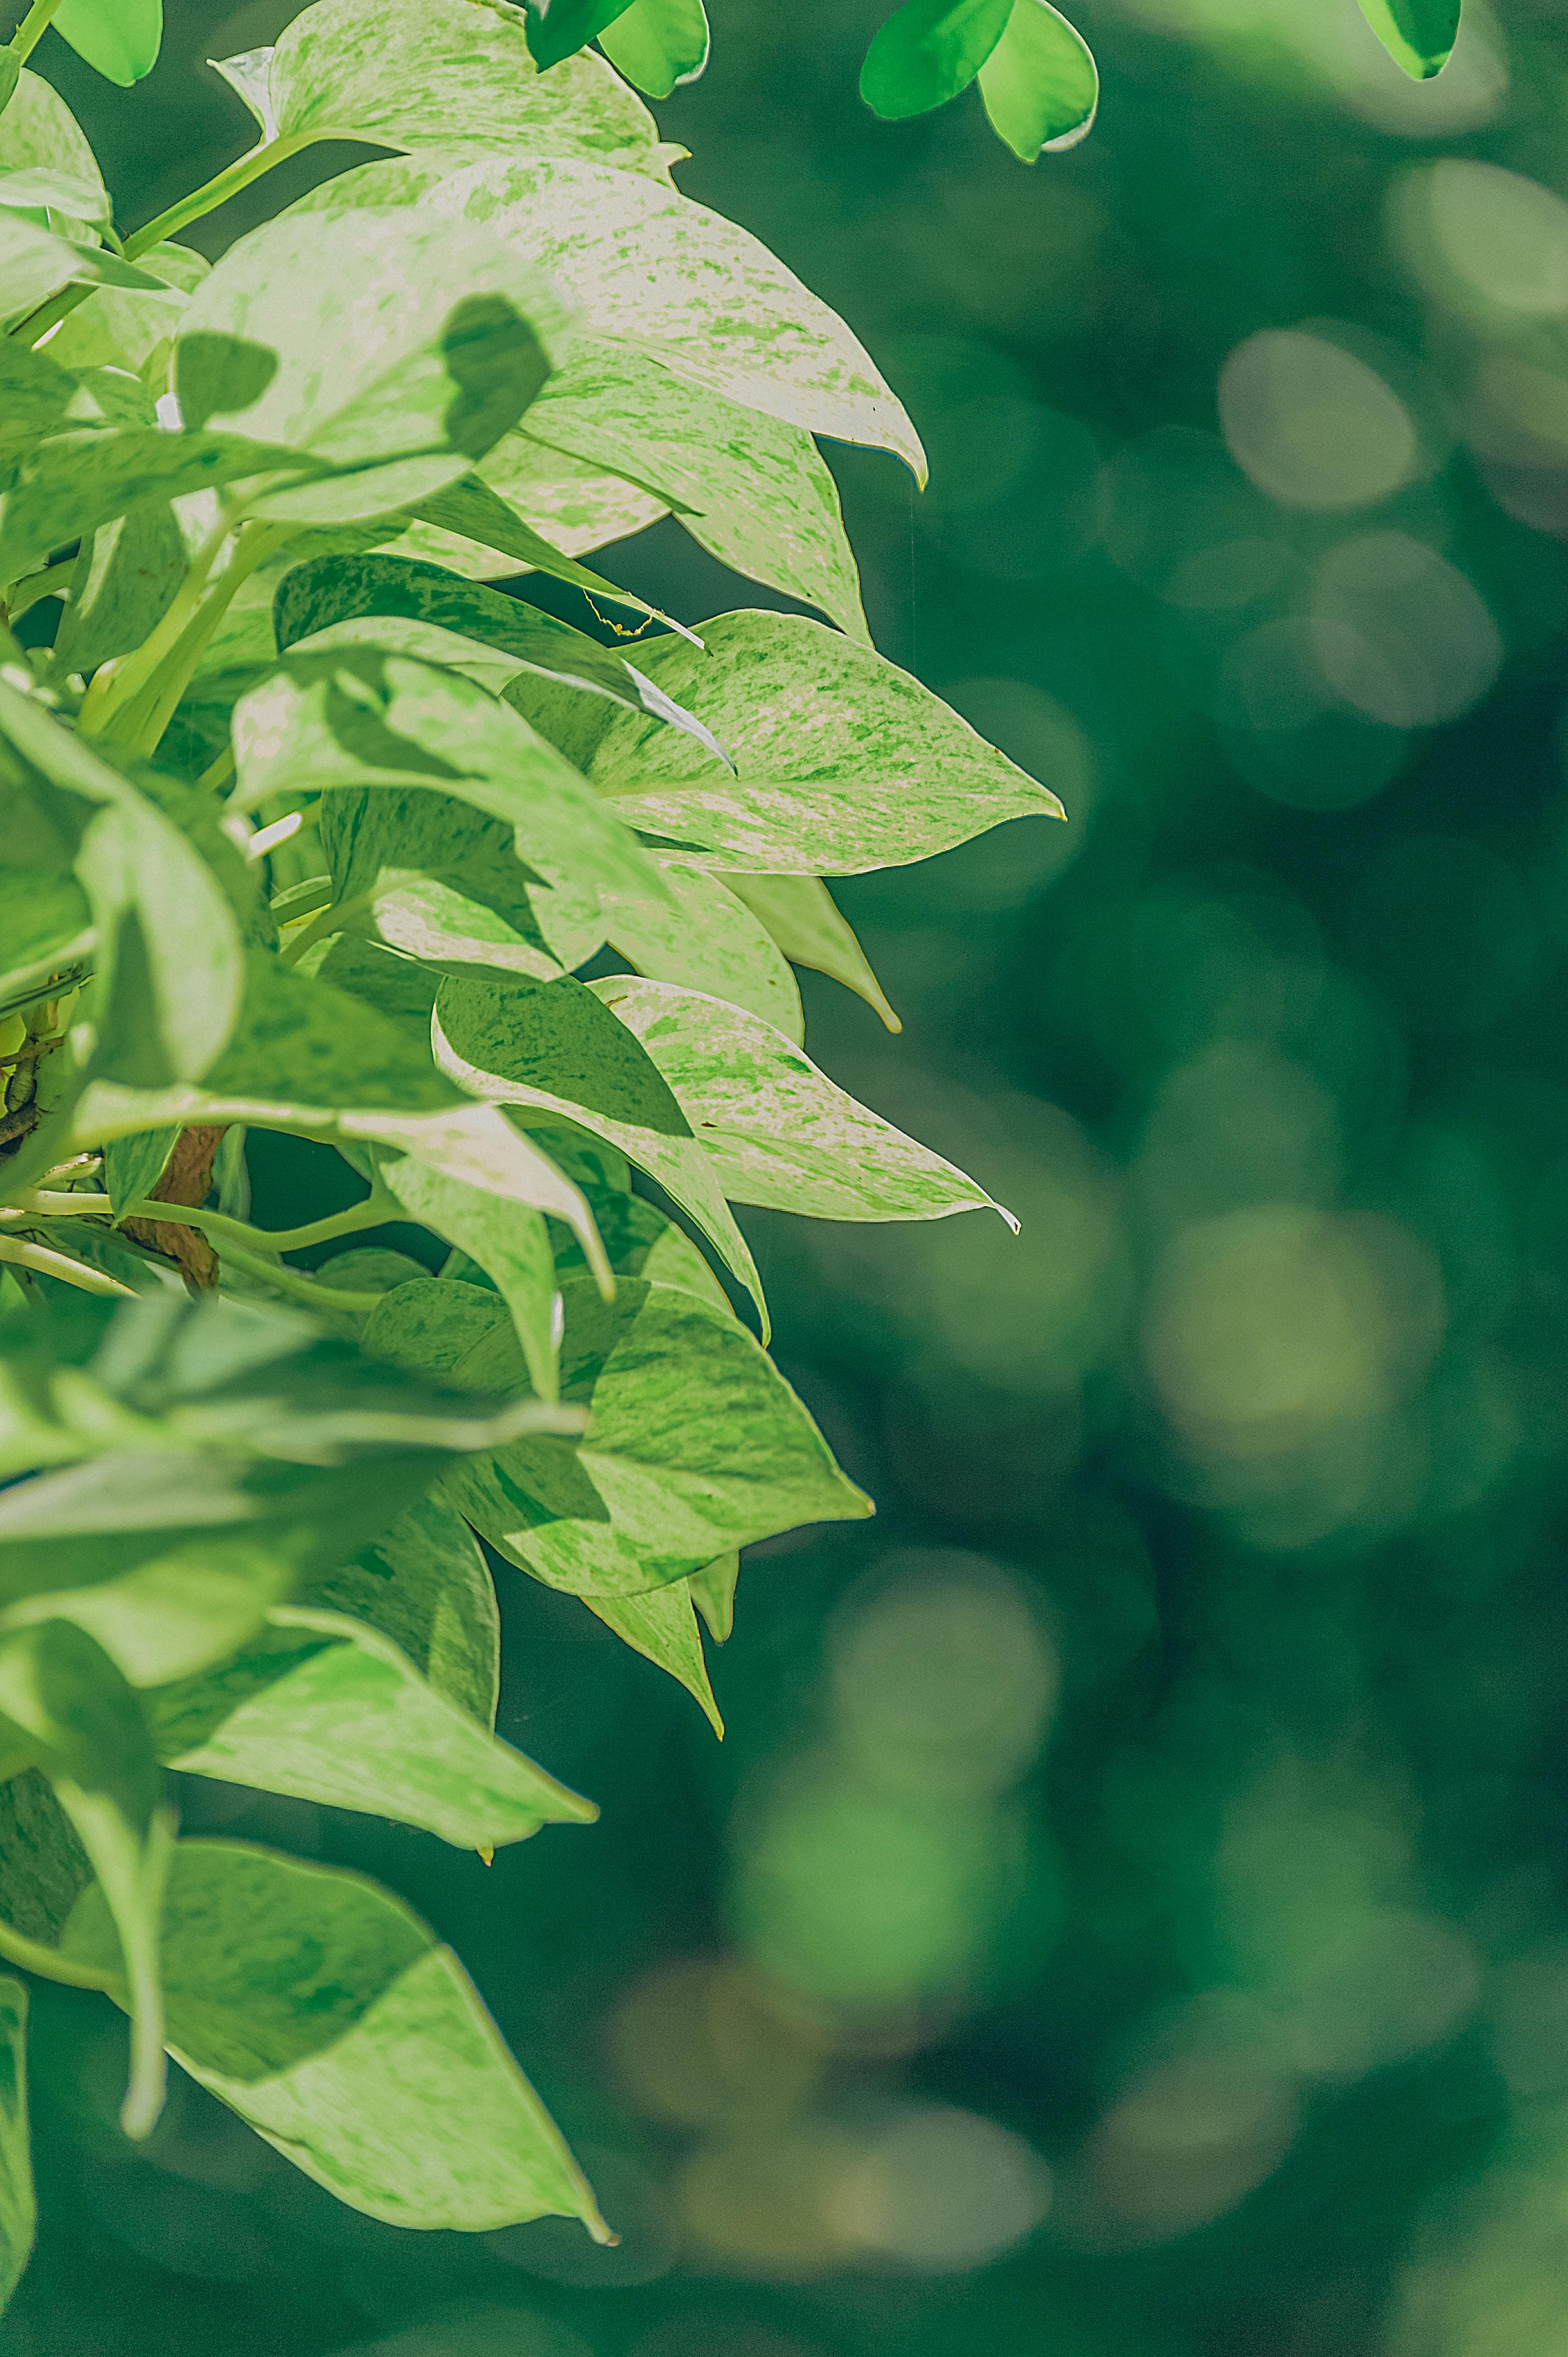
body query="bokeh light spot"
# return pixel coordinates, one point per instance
(1268, 1326)
(942, 2191)
(1312, 425)
(1400, 634)
(943, 1679)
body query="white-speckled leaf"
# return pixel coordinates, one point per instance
(509, 1243)
(381, 347)
(778, 1130)
(323, 2011)
(661, 1625)
(456, 77)
(573, 507)
(39, 133)
(753, 490)
(120, 327)
(708, 939)
(644, 264)
(441, 881)
(346, 715)
(424, 1584)
(846, 762)
(35, 263)
(547, 1045)
(805, 921)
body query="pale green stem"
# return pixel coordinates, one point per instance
(37, 1956)
(54, 1264)
(139, 705)
(32, 28)
(302, 901)
(37, 325)
(216, 776)
(332, 920)
(301, 1287)
(39, 1203)
(371, 1213)
(114, 684)
(205, 199)
(218, 191)
(139, 1946)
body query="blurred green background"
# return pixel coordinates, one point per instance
(1127, 1917)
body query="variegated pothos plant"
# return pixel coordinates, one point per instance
(303, 826)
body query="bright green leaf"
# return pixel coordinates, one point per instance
(846, 763)
(777, 1130)
(36, 263)
(39, 133)
(1418, 34)
(68, 1708)
(119, 39)
(35, 395)
(804, 920)
(125, 582)
(474, 511)
(640, 1242)
(326, 1707)
(657, 44)
(662, 1626)
(133, 1166)
(18, 2208)
(695, 1443)
(45, 928)
(424, 1584)
(557, 29)
(545, 1046)
(40, 185)
(168, 954)
(509, 1244)
(77, 481)
(123, 328)
(713, 1593)
(350, 716)
(1041, 84)
(323, 2011)
(928, 52)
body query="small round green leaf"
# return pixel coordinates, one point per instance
(557, 29)
(929, 52)
(1417, 34)
(1039, 84)
(119, 39)
(658, 44)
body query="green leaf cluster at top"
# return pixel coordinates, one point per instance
(305, 826)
